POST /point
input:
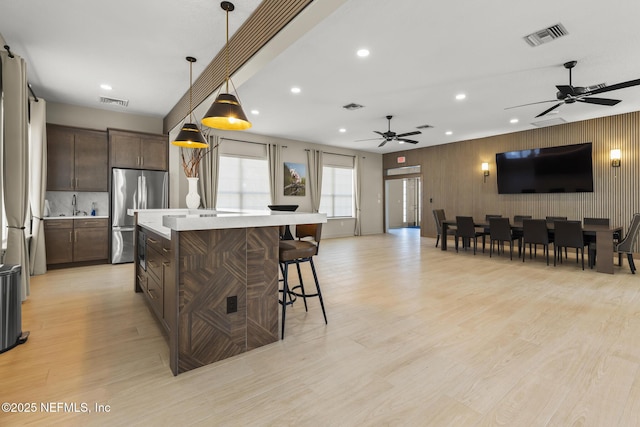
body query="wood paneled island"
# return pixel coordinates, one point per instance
(211, 278)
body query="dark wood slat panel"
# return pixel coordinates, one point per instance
(267, 20)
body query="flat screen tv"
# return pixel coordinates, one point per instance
(564, 169)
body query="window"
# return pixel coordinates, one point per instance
(337, 191)
(243, 183)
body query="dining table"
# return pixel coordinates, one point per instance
(603, 234)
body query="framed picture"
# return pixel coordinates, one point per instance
(294, 179)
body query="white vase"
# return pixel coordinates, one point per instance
(193, 198)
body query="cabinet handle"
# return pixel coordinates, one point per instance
(70, 237)
(75, 236)
(76, 182)
(152, 241)
(71, 183)
(141, 160)
(151, 294)
(166, 264)
(165, 250)
(151, 264)
(140, 278)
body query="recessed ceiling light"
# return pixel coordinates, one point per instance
(460, 96)
(295, 90)
(342, 130)
(448, 132)
(363, 53)
(105, 86)
(255, 112)
(513, 121)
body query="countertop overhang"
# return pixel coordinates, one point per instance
(162, 221)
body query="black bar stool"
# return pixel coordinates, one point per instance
(296, 252)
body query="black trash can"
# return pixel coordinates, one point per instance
(10, 308)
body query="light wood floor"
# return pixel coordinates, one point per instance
(415, 337)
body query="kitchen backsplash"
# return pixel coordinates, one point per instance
(60, 202)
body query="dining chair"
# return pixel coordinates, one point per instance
(627, 244)
(553, 219)
(568, 234)
(485, 231)
(296, 252)
(517, 219)
(534, 231)
(500, 232)
(439, 216)
(466, 230)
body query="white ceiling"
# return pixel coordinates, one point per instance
(423, 53)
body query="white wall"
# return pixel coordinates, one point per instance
(93, 118)
(294, 151)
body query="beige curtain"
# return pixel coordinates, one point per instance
(38, 183)
(208, 182)
(357, 193)
(273, 158)
(314, 165)
(15, 146)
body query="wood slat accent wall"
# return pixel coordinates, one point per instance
(453, 179)
(265, 22)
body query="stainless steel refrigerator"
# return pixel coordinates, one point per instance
(133, 189)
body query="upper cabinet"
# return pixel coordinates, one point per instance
(138, 150)
(77, 159)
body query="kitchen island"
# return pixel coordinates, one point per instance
(211, 278)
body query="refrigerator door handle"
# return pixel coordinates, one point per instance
(123, 228)
(143, 192)
(135, 195)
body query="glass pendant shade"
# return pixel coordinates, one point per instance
(226, 113)
(190, 137)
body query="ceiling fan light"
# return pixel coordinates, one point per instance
(226, 113)
(190, 137)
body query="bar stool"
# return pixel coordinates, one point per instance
(295, 252)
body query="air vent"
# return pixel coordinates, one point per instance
(352, 106)
(546, 35)
(424, 127)
(116, 101)
(550, 122)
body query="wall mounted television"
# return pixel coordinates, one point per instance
(563, 169)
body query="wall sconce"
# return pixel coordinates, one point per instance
(615, 158)
(485, 171)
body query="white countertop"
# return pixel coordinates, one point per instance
(163, 221)
(76, 217)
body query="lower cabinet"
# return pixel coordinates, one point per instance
(70, 241)
(157, 281)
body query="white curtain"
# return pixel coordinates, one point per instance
(273, 158)
(314, 164)
(208, 181)
(357, 193)
(15, 146)
(38, 183)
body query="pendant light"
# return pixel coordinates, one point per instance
(226, 112)
(190, 136)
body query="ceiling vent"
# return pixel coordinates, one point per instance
(424, 127)
(550, 122)
(546, 35)
(116, 101)
(352, 106)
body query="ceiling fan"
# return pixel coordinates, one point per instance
(392, 136)
(569, 94)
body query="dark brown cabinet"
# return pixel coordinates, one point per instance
(157, 282)
(138, 150)
(76, 240)
(77, 159)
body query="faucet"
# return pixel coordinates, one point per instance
(74, 206)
